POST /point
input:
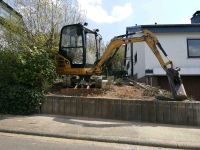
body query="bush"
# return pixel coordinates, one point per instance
(18, 99)
(25, 75)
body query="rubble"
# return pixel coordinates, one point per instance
(117, 89)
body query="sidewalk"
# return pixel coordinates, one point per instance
(146, 134)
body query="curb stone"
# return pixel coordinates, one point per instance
(108, 139)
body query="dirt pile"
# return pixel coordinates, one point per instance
(115, 90)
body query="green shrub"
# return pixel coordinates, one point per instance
(18, 99)
(25, 75)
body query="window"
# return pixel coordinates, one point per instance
(193, 46)
(71, 44)
(90, 48)
(135, 58)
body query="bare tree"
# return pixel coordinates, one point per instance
(46, 17)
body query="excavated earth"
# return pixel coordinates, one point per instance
(111, 91)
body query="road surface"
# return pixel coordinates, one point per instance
(26, 142)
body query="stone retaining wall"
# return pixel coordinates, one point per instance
(170, 112)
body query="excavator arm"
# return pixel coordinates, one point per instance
(147, 37)
(175, 83)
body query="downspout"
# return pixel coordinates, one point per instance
(132, 63)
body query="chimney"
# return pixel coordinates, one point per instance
(196, 17)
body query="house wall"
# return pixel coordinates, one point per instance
(139, 49)
(128, 58)
(175, 45)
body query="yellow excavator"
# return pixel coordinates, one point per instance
(82, 65)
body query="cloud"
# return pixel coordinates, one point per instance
(98, 14)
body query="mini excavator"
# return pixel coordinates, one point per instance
(82, 65)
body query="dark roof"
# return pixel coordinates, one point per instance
(196, 13)
(9, 7)
(166, 28)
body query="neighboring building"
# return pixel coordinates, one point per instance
(182, 44)
(7, 13)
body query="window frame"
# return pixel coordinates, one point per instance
(188, 48)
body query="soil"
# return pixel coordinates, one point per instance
(111, 91)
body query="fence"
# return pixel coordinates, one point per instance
(170, 112)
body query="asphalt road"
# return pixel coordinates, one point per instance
(27, 142)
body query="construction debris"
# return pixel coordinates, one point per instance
(120, 88)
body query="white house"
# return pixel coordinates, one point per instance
(182, 44)
(7, 13)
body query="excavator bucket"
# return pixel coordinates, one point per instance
(176, 85)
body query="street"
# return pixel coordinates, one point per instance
(26, 142)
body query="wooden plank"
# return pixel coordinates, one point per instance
(182, 119)
(125, 109)
(148, 113)
(79, 107)
(189, 114)
(98, 108)
(47, 106)
(152, 112)
(59, 106)
(117, 109)
(163, 112)
(92, 108)
(196, 114)
(173, 113)
(111, 109)
(88, 107)
(73, 106)
(134, 111)
(186, 113)
(104, 108)
(67, 106)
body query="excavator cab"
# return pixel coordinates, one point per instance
(79, 45)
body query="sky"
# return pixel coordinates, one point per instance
(112, 17)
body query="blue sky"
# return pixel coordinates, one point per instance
(113, 16)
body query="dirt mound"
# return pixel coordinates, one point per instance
(112, 91)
